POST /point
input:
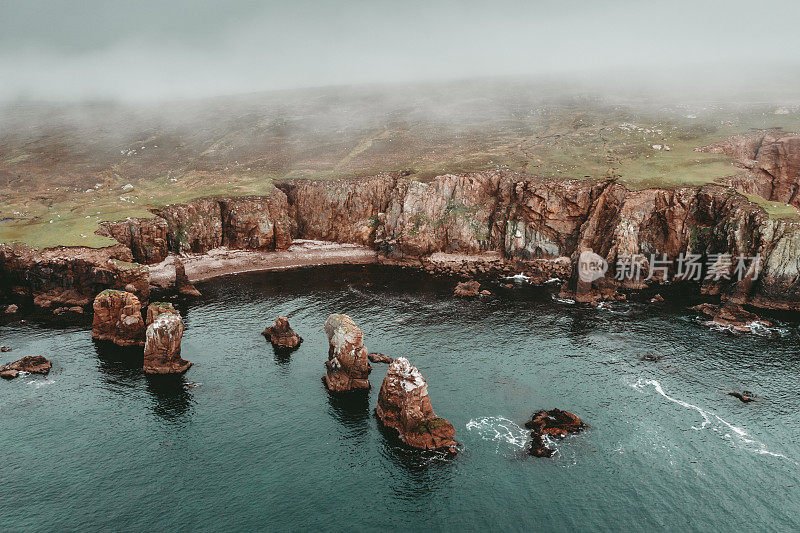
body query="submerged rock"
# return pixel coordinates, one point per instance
(467, 288)
(744, 396)
(554, 423)
(35, 364)
(404, 405)
(162, 349)
(281, 335)
(347, 366)
(5, 349)
(118, 318)
(380, 358)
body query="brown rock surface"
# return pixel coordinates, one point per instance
(554, 423)
(281, 335)
(347, 366)
(380, 358)
(35, 364)
(158, 308)
(404, 405)
(732, 316)
(162, 349)
(467, 289)
(118, 318)
(182, 283)
(257, 222)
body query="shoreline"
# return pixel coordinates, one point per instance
(221, 262)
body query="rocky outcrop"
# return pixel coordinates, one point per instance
(34, 364)
(281, 335)
(551, 424)
(347, 366)
(475, 225)
(118, 318)
(158, 308)
(162, 348)
(404, 406)
(380, 358)
(68, 276)
(467, 289)
(771, 160)
(731, 316)
(182, 284)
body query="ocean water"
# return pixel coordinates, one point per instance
(251, 440)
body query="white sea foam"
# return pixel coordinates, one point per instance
(563, 300)
(518, 278)
(501, 430)
(713, 422)
(38, 383)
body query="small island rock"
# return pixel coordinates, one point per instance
(554, 423)
(162, 349)
(281, 335)
(35, 364)
(404, 405)
(118, 318)
(347, 366)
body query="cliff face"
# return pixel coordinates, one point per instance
(521, 222)
(59, 277)
(773, 161)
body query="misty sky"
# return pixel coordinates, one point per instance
(154, 49)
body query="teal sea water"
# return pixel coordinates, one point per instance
(251, 440)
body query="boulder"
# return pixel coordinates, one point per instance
(404, 405)
(118, 318)
(467, 288)
(158, 308)
(5, 349)
(553, 424)
(162, 348)
(347, 366)
(281, 335)
(11, 309)
(35, 364)
(380, 358)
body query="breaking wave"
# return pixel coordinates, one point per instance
(713, 421)
(501, 430)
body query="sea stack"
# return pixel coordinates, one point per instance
(158, 308)
(118, 318)
(281, 335)
(182, 283)
(404, 405)
(347, 366)
(162, 349)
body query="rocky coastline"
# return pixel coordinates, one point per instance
(478, 226)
